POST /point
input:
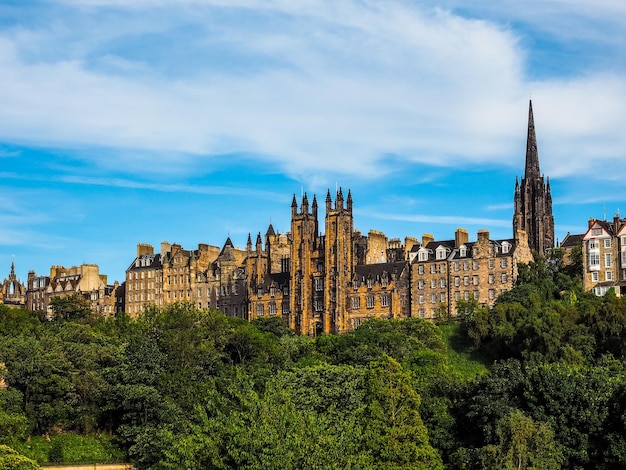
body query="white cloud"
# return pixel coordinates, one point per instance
(337, 85)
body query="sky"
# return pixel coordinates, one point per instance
(189, 121)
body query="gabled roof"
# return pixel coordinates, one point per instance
(571, 240)
(607, 229)
(227, 251)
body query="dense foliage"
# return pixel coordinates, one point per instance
(537, 381)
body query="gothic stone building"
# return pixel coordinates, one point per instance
(533, 199)
(12, 291)
(331, 281)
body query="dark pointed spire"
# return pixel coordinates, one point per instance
(329, 201)
(349, 200)
(258, 239)
(270, 231)
(305, 204)
(294, 206)
(532, 156)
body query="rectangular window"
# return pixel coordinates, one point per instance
(442, 282)
(466, 295)
(421, 299)
(421, 313)
(273, 308)
(465, 265)
(456, 266)
(503, 262)
(475, 265)
(442, 268)
(476, 294)
(492, 294)
(607, 243)
(285, 308)
(384, 300)
(370, 301)
(319, 305)
(433, 298)
(594, 276)
(457, 281)
(420, 284)
(593, 245)
(594, 260)
(433, 283)
(466, 280)
(475, 279)
(490, 278)
(433, 268)
(442, 298)
(457, 295)
(608, 275)
(260, 310)
(319, 284)
(608, 261)
(420, 269)
(356, 303)
(504, 278)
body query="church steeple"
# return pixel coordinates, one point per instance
(532, 199)
(532, 155)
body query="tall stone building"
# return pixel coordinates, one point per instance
(533, 200)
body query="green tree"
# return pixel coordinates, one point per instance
(524, 444)
(393, 429)
(71, 307)
(12, 460)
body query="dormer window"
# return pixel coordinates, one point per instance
(463, 251)
(506, 246)
(440, 253)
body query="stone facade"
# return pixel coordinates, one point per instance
(84, 280)
(444, 272)
(604, 256)
(533, 200)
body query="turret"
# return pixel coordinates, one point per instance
(294, 206)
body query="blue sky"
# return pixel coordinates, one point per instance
(192, 120)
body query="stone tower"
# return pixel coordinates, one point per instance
(338, 262)
(532, 201)
(304, 254)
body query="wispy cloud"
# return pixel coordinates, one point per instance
(349, 83)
